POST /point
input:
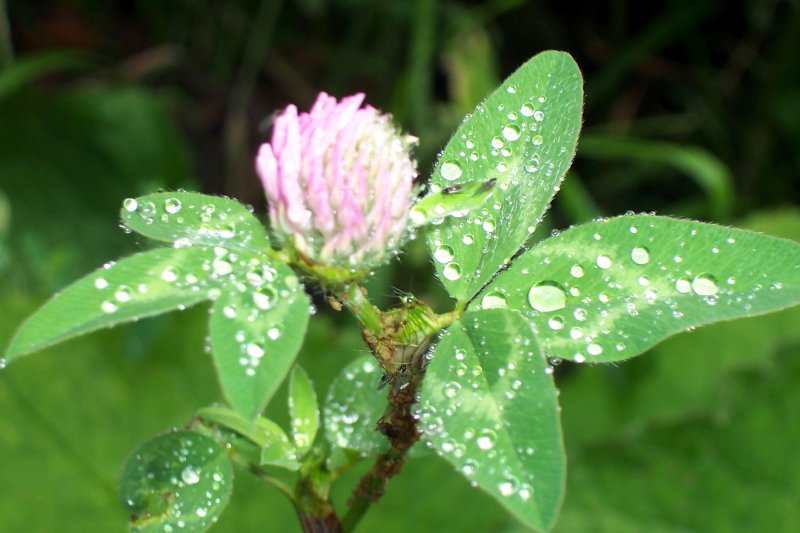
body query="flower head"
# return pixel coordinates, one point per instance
(338, 180)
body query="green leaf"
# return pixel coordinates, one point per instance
(256, 328)
(353, 407)
(142, 285)
(524, 136)
(611, 289)
(177, 481)
(489, 407)
(273, 445)
(303, 409)
(193, 218)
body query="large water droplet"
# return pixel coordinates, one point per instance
(594, 349)
(467, 239)
(494, 300)
(705, 284)
(683, 285)
(511, 132)
(100, 283)
(443, 254)
(547, 296)
(190, 475)
(452, 271)
(576, 271)
(274, 333)
(172, 205)
(170, 274)
(265, 298)
(123, 294)
(526, 110)
(108, 307)
(486, 440)
(603, 261)
(451, 390)
(221, 267)
(640, 255)
(451, 170)
(254, 350)
(556, 323)
(130, 204)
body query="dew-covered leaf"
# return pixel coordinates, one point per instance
(257, 327)
(613, 288)
(489, 407)
(523, 136)
(179, 481)
(353, 407)
(142, 285)
(193, 218)
(303, 409)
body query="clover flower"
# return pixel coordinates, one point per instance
(338, 180)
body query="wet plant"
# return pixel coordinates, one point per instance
(474, 384)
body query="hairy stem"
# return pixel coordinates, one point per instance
(400, 427)
(357, 302)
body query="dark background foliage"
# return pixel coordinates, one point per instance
(692, 109)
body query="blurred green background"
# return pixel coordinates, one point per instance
(692, 109)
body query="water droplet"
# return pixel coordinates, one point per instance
(172, 205)
(488, 225)
(683, 285)
(108, 307)
(100, 283)
(511, 132)
(538, 116)
(265, 298)
(644, 281)
(451, 390)
(170, 274)
(576, 271)
(556, 323)
(190, 475)
(594, 349)
(640, 255)
(451, 170)
(467, 239)
(274, 333)
(452, 271)
(537, 140)
(227, 231)
(443, 254)
(497, 142)
(526, 110)
(547, 296)
(511, 89)
(123, 294)
(254, 350)
(486, 440)
(603, 261)
(508, 487)
(705, 284)
(494, 300)
(221, 267)
(130, 204)
(633, 229)
(579, 314)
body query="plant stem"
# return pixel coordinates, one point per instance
(357, 302)
(400, 427)
(277, 483)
